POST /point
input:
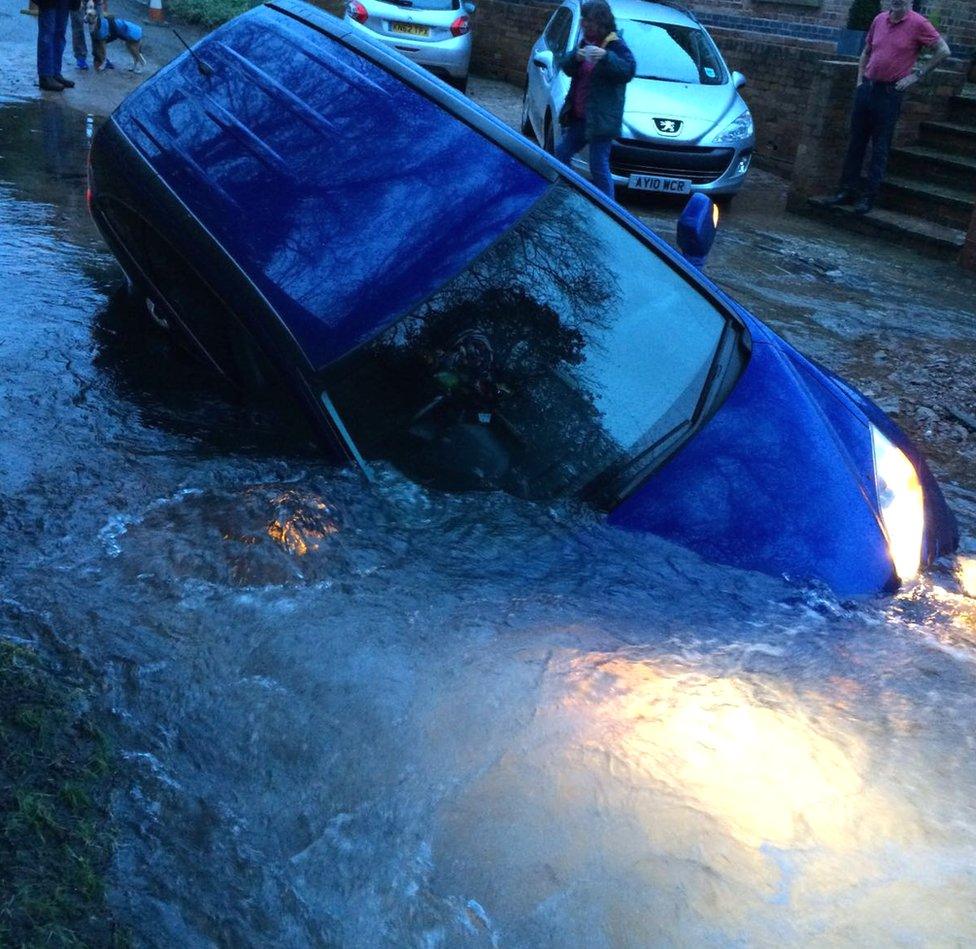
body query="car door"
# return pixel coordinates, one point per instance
(544, 76)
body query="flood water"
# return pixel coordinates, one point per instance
(376, 715)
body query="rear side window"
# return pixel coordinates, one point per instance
(215, 332)
(557, 32)
(674, 53)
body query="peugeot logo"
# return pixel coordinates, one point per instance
(668, 126)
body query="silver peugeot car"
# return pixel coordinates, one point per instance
(435, 34)
(685, 127)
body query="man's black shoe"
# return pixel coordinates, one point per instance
(862, 206)
(67, 83)
(842, 197)
(50, 84)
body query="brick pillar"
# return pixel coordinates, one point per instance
(967, 258)
(824, 132)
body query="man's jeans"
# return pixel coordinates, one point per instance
(877, 106)
(573, 139)
(52, 27)
(78, 30)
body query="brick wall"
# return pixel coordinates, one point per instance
(502, 34)
(779, 79)
(955, 19)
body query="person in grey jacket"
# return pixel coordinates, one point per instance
(600, 68)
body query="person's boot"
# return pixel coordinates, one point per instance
(67, 83)
(50, 84)
(842, 197)
(864, 205)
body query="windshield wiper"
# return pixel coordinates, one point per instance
(401, 3)
(609, 487)
(662, 78)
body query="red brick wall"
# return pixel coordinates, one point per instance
(779, 78)
(502, 35)
(829, 13)
(955, 19)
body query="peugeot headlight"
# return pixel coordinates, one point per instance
(737, 130)
(901, 503)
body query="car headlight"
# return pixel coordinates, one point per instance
(902, 505)
(737, 130)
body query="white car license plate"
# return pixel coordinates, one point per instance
(657, 183)
(410, 29)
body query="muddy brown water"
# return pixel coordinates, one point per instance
(384, 716)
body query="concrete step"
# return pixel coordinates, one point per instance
(957, 138)
(904, 229)
(939, 203)
(962, 108)
(932, 164)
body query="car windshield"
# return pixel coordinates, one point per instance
(674, 53)
(427, 4)
(568, 355)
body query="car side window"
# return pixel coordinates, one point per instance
(557, 32)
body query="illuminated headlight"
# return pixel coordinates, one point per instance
(901, 503)
(737, 130)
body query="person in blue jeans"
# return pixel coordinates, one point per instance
(79, 32)
(887, 68)
(600, 68)
(52, 26)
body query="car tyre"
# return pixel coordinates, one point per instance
(527, 129)
(550, 141)
(460, 84)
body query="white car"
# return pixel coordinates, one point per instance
(435, 34)
(685, 126)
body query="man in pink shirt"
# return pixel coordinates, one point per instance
(887, 67)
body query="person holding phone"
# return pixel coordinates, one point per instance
(600, 68)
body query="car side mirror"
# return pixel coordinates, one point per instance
(696, 229)
(543, 59)
(469, 7)
(738, 80)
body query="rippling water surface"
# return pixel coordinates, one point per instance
(383, 716)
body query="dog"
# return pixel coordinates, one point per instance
(104, 29)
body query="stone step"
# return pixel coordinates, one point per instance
(904, 229)
(958, 138)
(962, 108)
(932, 164)
(950, 207)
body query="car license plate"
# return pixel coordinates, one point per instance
(411, 29)
(657, 183)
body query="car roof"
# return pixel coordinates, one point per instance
(648, 10)
(277, 147)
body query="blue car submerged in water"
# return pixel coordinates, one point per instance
(312, 212)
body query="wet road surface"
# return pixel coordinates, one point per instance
(384, 716)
